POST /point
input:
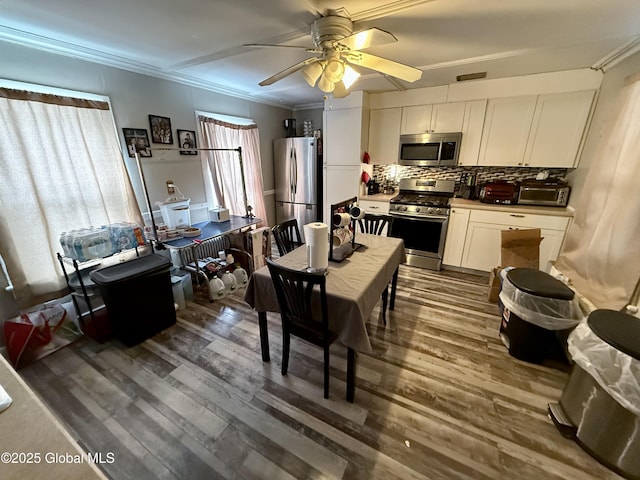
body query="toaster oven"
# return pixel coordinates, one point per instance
(500, 192)
(544, 193)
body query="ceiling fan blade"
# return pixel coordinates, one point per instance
(367, 38)
(269, 45)
(389, 67)
(288, 71)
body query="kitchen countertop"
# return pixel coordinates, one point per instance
(533, 210)
(378, 197)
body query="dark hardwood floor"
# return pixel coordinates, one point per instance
(439, 398)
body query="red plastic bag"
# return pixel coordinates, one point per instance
(31, 331)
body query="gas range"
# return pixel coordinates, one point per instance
(423, 198)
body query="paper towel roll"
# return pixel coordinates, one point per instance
(341, 219)
(341, 236)
(317, 239)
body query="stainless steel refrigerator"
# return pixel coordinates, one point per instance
(297, 180)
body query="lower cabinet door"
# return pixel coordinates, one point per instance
(482, 246)
(456, 235)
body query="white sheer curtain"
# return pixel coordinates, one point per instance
(221, 170)
(61, 168)
(602, 251)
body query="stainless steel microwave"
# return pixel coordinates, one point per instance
(430, 149)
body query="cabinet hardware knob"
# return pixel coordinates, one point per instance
(517, 215)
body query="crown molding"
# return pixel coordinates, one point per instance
(67, 49)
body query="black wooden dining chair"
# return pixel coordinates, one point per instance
(294, 289)
(374, 224)
(287, 235)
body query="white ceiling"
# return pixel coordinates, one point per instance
(199, 42)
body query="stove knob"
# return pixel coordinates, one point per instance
(431, 210)
(404, 208)
(417, 209)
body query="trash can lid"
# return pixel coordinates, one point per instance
(618, 329)
(538, 283)
(128, 270)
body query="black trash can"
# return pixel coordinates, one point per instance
(538, 312)
(138, 296)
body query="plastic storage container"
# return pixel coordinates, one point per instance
(176, 214)
(139, 297)
(538, 312)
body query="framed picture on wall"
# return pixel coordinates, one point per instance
(137, 139)
(187, 139)
(161, 129)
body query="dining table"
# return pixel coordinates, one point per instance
(353, 287)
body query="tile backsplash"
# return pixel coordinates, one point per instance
(394, 173)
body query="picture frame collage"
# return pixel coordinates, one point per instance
(137, 139)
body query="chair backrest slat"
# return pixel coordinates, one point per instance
(374, 223)
(294, 290)
(287, 236)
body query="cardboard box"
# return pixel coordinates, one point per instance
(521, 248)
(495, 285)
(257, 242)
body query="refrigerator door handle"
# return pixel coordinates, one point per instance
(291, 194)
(295, 173)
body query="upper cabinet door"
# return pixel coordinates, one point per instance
(506, 130)
(447, 117)
(416, 119)
(384, 135)
(343, 137)
(441, 118)
(557, 129)
(472, 132)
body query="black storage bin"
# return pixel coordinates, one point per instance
(138, 296)
(538, 312)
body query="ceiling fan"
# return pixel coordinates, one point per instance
(337, 49)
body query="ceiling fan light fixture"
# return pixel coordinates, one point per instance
(312, 72)
(325, 84)
(350, 76)
(334, 70)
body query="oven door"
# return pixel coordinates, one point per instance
(423, 239)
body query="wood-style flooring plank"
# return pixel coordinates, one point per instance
(438, 398)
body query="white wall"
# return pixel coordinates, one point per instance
(133, 97)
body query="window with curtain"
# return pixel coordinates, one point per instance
(221, 170)
(61, 169)
(601, 252)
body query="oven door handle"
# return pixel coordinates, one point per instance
(422, 218)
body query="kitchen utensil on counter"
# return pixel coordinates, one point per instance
(467, 186)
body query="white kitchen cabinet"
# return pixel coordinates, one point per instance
(373, 206)
(416, 119)
(506, 130)
(441, 117)
(483, 237)
(557, 129)
(341, 182)
(456, 234)
(535, 130)
(384, 135)
(345, 136)
(474, 113)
